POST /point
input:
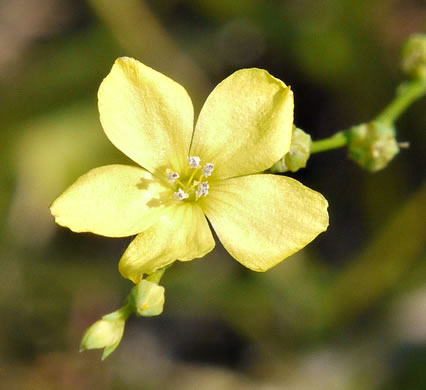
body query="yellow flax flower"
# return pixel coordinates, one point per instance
(186, 175)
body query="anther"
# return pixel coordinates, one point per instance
(173, 176)
(181, 195)
(208, 169)
(203, 189)
(194, 161)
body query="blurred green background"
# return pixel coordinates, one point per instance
(348, 312)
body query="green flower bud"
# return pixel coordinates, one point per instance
(372, 145)
(105, 333)
(148, 298)
(414, 56)
(298, 154)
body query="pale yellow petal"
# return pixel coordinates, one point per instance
(146, 115)
(245, 124)
(183, 234)
(262, 219)
(113, 201)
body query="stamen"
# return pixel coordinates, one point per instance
(173, 176)
(203, 189)
(191, 187)
(194, 161)
(208, 169)
(181, 195)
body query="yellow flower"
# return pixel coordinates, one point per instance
(243, 129)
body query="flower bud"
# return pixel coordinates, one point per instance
(372, 145)
(414, 56)
(105, 333)
(298, 154)
(148, 298)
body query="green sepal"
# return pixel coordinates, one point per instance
(414, 56)
(372, 145)
(148, 298)
(298, 155)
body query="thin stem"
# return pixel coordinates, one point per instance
(338, 140)
(407, 94)
(124, 312)
(156, 276)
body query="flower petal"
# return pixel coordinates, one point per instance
(146, 115)
(262, 219)
(114, 201)
(182, 234)
(245, 124)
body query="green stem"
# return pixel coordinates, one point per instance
(336, 141)
(407, 94)
(124, 312)
(156, 276)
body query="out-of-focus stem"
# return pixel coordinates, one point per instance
(381, 265)
(407, 94)
(141, 35)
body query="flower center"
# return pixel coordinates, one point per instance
(194, 185)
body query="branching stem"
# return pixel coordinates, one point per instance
(408, 93)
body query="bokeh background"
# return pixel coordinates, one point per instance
(348, 312)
